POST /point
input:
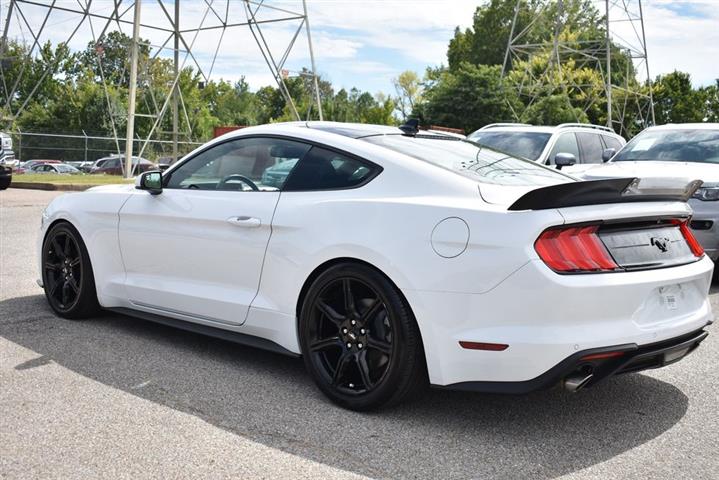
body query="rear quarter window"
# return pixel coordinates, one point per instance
(323, 169)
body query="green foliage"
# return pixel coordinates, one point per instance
(676, 101)
(408, 87)
(468, 97)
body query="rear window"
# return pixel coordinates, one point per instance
(471, 160)
(680, 145)
(520, 144)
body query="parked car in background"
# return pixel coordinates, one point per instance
(57, 168)
(573, 147)
(25, 167)
(114, 165)
(682, 152)
(5, 176)
(7, 156)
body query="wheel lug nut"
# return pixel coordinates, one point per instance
(362, 331)
(349, 345)
(344, 330)
(353, 322)
(359, 345)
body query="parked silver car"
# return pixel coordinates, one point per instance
(683, 151)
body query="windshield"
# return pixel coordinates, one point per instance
(521, 144)
(680, 145)
(472, 160)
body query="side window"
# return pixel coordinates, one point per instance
(566, 143)
(591, 147)
(612, 142)
(114, 163)
(323, 169)
(245, 164)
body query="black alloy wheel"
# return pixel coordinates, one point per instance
(359, 339)
(67, 274)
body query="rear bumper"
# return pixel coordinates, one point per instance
(545, 318)
(632, 358)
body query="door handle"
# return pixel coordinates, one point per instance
(245, 221)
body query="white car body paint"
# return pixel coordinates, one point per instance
(176, 254)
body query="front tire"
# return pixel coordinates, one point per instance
(67, 274)
(359, 339)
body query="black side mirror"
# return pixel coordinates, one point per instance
(564, 160)
(150, 181)
(608, 153)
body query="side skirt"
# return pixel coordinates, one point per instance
(235, 337)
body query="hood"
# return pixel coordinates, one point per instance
(682, 171)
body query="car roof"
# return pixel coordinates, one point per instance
(685, 126)
(564, 127)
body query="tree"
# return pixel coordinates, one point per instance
(676, 101)
(468, 97)
(409, 92)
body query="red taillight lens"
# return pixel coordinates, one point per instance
(574, 249)
(694, 245)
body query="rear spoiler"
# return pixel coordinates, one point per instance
(596, 192)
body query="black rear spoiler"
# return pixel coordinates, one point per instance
(596, 192)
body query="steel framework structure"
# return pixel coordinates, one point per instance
(624, 26)
(223, 16)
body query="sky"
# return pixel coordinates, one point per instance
(366, 43)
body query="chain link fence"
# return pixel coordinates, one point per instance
(87, 147)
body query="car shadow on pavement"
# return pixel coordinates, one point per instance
(270, 399)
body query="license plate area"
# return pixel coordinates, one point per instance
(640, 248)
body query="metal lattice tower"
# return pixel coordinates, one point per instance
(173, 31)
(544, 65)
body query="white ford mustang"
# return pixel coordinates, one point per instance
(390, 257)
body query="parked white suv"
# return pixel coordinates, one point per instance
(572, 147)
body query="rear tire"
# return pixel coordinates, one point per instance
(359, 339)
(67, 274)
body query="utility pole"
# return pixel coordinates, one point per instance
(312, 59)
(609, 70)
(175, 93)
(132, 91)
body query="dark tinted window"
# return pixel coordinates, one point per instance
(592, 147)
(244, 164)
(323, 169)
(612, 142)
(680, 145)
(566, 143)
(520, 144)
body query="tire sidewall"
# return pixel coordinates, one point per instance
(403, 343)
(86, 302)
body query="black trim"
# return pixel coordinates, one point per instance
(635, 359)
(229, 335)
(376, 169)
(592, 192)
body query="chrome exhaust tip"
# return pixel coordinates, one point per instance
(575, 382)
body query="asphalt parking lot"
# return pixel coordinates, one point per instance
(116, 397)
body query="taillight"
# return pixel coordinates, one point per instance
(574, 249)
(694, 245)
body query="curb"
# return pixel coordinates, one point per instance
(70, 187)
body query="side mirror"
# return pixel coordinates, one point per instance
(150, 181)
(608, 153)
(564, 160)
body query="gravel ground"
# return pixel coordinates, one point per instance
(116, 397)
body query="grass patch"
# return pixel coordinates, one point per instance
(58, 179)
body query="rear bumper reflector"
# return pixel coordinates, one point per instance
(491, 347)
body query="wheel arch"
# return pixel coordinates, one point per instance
(352, 260)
